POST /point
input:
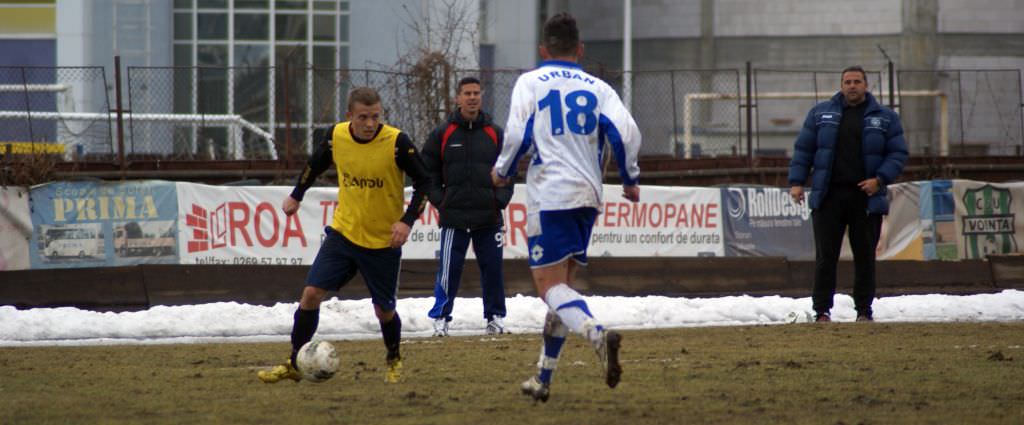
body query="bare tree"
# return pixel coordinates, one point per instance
(446, 34)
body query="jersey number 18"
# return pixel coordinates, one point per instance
(579, 103)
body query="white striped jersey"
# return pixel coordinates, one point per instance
(563, 116)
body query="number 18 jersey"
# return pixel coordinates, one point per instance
(563, 116)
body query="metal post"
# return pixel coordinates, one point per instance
(627, 55)
(120, 115)
(675, 115)
(285, 78)
(28, 110)
(1020, 92)
(960, 110)
(750, 114)
(892, 88)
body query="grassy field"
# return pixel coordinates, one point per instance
(840, 373)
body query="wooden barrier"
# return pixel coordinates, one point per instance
(139, 287)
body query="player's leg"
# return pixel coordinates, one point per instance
(454, 243)
(380, 269)
(487, 244)
(554, 337)
(332, 269)
(565, 236)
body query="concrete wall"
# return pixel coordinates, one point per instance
(981, 16)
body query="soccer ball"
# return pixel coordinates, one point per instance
(317, 361)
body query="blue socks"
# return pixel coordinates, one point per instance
(554, 337)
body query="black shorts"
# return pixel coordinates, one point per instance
(338, 260)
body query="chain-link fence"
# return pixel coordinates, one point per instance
(203, 113)
(200, 113)
(56, 110)
(962, 112)
(782, 99)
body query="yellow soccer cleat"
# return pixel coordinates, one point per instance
(394, 372)
(280, 372)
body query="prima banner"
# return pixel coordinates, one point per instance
(92, 224)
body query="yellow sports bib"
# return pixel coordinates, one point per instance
(371, 194)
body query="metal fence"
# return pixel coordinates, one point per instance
(53, 110)
(243, 113)
(962, 112)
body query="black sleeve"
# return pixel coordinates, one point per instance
(431, 156)
(408, 159)
(503, 194)
(319, 161)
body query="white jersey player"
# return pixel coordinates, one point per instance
(562, 117)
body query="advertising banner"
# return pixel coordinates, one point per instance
(908, 224)
(987, 218)
(15, 228)
(764, 221)
(667, 222)
(245, 225)
(92, 224)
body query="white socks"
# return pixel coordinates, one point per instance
(573, 311)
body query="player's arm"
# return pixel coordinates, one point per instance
(409, 161)
(502, 194)
(623, 137)
(319, 161)
(518, 134)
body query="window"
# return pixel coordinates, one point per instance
(251, 26)
(212, 26)
(249, 42)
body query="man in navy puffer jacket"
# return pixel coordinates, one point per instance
(851, 148)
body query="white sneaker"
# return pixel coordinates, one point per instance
(535, 389)
(440, 327)
(496, 326)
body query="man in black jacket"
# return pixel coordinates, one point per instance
(458, 156)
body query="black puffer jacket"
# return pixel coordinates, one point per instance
(459, 155)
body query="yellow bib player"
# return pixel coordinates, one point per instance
(369, 226)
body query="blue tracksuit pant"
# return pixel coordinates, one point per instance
(487, 245)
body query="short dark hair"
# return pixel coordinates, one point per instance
(561, 36)
(467, 80)
(363, 95)
(855, 68)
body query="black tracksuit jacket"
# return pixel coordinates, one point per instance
(460, 170)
